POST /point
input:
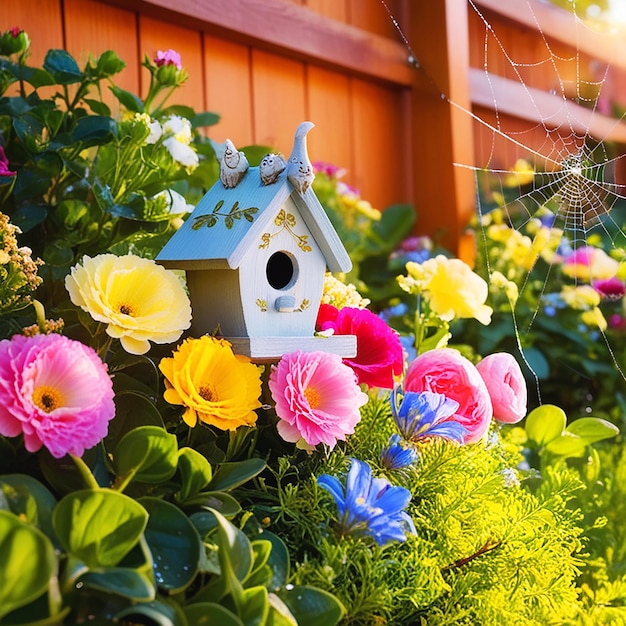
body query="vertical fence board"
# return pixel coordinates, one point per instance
(381, 170)
(329, 108)
(279, 99)
(228, 91)
(155, 35)
(335, 9)
(41, 19)
(91, 28)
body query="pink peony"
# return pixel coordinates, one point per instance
(506, 385)
(169, 57)
(56, 392)
(446, 371)
(379, 354)
(317, 398)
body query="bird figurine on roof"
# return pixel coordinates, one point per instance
(299, 168)
(233, 165)
(270, 168)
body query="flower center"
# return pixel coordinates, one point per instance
(206, 392)
(313, 397)
(125, 309)
(47, 398)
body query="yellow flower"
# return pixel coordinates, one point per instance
(588, 263)
(340, 295)
(138, 299)
(582, 297)
(455, 290)
(214, 385)
(522, 173)
(594, 318)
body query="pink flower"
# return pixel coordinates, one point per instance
(446, 371)
(506, 385)
(317, 398)
(56, 392)
(379, 354)
(610, 288)
(4, 164)
(169, 57)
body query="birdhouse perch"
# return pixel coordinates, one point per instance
(255, 251)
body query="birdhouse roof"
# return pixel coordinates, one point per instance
(227, 222)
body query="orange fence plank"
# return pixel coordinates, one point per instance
(228, 90)
(279, 99)
(329, 107)
(91, 28)
(41, 19)
(156, 35)
(335, 9)
(380, 140)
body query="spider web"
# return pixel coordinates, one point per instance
(547, 145)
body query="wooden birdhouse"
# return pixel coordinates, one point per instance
(255, 251)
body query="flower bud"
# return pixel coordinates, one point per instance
(14, 41)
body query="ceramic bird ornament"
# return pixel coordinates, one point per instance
(233, 165)
(270, 168)
(299, 168)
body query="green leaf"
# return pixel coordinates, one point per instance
(148, 453)
(207, 613)
(99, 527)
(231, 475)
(395, 224)
(98, 107)
(27, 563)
(28, 216)
(122, 581)
(94, 129)
(109, 64)
(567, 445)
(256, 606)
(174, 543)
(156, 613)
(279, 614)
(204, 119)
(278, 560)
(29, 499)
(311, 606)
(235, 550)
(593, 429)
(63, 67)
(545, 423)
(127, 99)
(195, 472)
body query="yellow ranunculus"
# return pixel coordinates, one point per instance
(214, 385)
(138, 299)
(581, 297)
(455, 290)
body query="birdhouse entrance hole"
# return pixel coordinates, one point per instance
(281, 270)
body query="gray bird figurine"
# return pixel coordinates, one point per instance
(270, 168)
(233, 165)
(299, 168)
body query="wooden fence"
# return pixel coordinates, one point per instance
(267, 65)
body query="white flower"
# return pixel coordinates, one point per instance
(178, 127)
(175, 202)
(152, 125)
(184, 154)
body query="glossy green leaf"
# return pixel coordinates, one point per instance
(231, 475)
(278, 560)
(149, 453)
(279, 614)
(261, 573)
(155, 613)
(311, 606)
(218, 500)
(545, 423)
(63, 67)
(195, 472)
(204, 119)
(94, 129)
(174, 543)
(567, 445)
(29, 499)
(99, 527)
(122, 581)
(108, 64)
(210, 614)
(128, 99)
(235, 550)
(256, 606)
(593, 429)
(23, 579)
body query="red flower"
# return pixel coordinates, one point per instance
(379, 354)
(4, 164)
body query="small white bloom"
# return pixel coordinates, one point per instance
(175, 202)
(178, 127)
(181, 152)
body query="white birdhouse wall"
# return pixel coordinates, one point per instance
(281, 278)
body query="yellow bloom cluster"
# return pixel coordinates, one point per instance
(451, 287)
(341, 295)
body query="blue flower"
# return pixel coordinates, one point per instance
(370, 506)
(395, 456)
(425, 414)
